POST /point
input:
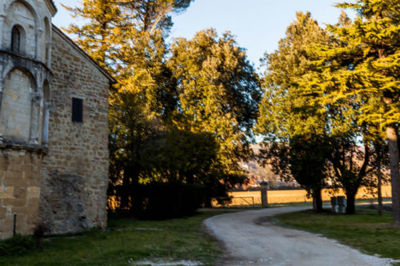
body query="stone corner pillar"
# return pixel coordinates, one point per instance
(264, 194)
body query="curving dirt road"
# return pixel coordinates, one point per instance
(251, 240)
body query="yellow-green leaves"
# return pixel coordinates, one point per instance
(218, 91)
(288, 107)
(98, 36)
(362, 62)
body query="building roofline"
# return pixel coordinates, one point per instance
(82, 52)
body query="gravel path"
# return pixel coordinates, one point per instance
(250, 239)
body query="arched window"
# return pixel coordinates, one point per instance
(22, 27)
(16, 39)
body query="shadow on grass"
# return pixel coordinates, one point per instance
(126, 240)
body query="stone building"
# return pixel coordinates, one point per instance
(53, 126)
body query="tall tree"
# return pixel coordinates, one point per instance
(218, 92)
(362, 67)
(304, 159)
(146, 95)
(143, 49)
(150, 15)
(350, 164)
(98, 35)
(151, 116)
(287, 116)
(128, 39)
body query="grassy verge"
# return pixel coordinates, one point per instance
(125, 242)
(365, 231)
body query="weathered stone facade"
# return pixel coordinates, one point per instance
(53, 169)
(75, 170)
(20, 190)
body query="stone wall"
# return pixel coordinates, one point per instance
(75, 170)
(19, 190)
(23, 73)
(53, 172)
(33, 17)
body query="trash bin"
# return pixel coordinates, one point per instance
(338, 204)
(342, 204)
(334, 204)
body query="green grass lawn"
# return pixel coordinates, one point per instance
(365, 231)
(125, 242)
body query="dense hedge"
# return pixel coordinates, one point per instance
(166, 200)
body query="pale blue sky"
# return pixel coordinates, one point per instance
(257, 24)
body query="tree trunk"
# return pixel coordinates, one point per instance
(392, 136)
(124, 191)
(317, 201)
(208, 203)
(380, 203)
(351, 203)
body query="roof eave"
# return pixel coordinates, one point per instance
(100, 68)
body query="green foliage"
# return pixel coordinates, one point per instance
(102, 30)
(362, 65)
(164, 127)
(307, 160)
(312, 88)
(294, 128)
(303, 159)
(180, 156)
(350, 163)
(218, 92)
(356, 80)
(166, 200)
(287, 109)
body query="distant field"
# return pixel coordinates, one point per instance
(250, 198)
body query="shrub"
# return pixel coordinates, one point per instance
(166, 200)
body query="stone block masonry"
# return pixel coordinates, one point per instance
(19, 190)
(53, 126)
(75, 170)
